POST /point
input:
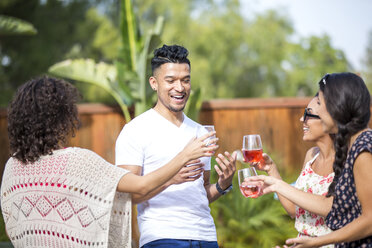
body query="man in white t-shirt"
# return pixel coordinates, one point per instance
(176, 214)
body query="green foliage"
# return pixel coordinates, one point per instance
(101, 74)
(3, 236)
(14, 26)
(308, 61)
(30, 56)
(233, 54)
(367, 72)
(10, 26)
(250, 55)
(194, 104)
(135, 55)
(97, 38)
(244, 222)
(127, 80)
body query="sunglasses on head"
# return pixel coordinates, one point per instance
(324, 79)
(308, 115)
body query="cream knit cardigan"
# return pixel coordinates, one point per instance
(67, 199)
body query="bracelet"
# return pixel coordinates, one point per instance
(221, 191)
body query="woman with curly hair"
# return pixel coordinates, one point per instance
(52, 196)
(344, 109)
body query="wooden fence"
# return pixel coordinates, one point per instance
(275, 119)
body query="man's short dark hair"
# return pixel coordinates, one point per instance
(169, 54)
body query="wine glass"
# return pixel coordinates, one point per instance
(252, 148)
(207, 129)
(250, 191)
(200, 131)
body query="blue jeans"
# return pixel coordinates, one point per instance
(180, 243)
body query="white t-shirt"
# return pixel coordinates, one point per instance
(181, 211)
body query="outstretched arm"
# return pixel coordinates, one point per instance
(186, 174)
(269, 166)
(360, 227)
(316, 204)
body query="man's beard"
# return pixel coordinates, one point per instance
(172, 109)
(176, 110)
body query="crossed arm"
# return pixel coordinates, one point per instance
(268, 165)
(186, 174)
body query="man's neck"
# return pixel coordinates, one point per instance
(174, 117)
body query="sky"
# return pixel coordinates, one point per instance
(346, 22)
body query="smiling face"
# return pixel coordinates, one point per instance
(172, 83)
(312, 127)
(329, 125)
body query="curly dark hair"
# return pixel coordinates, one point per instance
(169, 54)
(348, 102)
(41, 115)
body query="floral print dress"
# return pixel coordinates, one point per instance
(307, 223)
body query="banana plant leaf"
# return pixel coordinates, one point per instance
(14, 26)
(152, 41)
(130, 34)
(194, 104)
(101, 74)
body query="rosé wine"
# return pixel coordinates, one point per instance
(251, 156)
(250, 191)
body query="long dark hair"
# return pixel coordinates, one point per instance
(41, 115)
(347, 100)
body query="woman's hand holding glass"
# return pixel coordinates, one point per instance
(248, 189)
(267, 184)
(302, 242)
(265, 164)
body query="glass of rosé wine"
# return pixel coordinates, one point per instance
(252, 148)
(248, 191)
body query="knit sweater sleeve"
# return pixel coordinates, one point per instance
(91, 172)
(120, 217)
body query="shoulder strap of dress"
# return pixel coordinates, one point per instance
(313, 159)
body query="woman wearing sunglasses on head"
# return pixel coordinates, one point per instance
(316, 174)
(343, 106)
